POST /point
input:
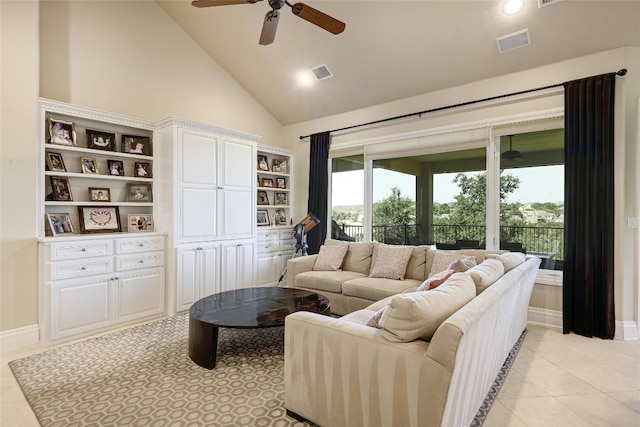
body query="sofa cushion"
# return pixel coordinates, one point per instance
(391, 261)
(442, 260)
(435, 280)
(330, 258)
(509, 260)
(417, 267)
(374, 289)
(417, 315)
(330, 281)
(486, 273)
(463, 264)
(358, 256)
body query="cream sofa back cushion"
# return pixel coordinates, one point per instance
(510, 260)
(358, 256)
(417, 315)
(486, 273)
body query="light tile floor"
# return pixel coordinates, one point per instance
(556, 380)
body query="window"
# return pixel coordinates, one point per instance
(347, 198)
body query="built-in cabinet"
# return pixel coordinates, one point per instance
(208, 198)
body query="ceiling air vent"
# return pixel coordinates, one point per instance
(514, 40)
(543, 3)
(322, 72)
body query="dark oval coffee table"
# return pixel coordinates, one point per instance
(245, 309)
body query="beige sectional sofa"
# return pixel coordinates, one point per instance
(432, 357)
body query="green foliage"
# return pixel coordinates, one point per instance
(395, 209)
(550, 207)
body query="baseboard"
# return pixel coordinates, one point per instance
(627, 330)
(18, 338)
(544, 317)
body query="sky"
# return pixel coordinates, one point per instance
(540, 184)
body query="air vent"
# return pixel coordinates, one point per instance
(543, 3)
(322, 72)
(514, 40)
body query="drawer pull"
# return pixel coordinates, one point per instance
(83, 250)
(141, 261)
(83, 268)
(141, 245)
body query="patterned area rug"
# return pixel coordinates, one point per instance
(143, 376)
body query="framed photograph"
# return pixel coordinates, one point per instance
(99, 140)
(139, 193)
(89, 165)
(140, 223)
(99, 194)
(116, 167)
(142, 170)
(263, 198)
(59, 223)
(61, 132)
(99, 219)
(267, 182)
(61, 189)
(136, 144)
(55, 162)
(263, 164)
(281, 182)
(280, 199)
(279, 165)
(263, 217)
(280, 217)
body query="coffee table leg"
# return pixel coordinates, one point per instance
(203, 343)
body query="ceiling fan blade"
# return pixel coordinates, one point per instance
(210, 3)
(268, 34)
(318, 18)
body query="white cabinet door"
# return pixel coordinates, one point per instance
(187, 283)
(237, 214)
(140, 294)
(209, 261)
(238, 265)
(199, 214)
(267, 272)
(237, 180)
(199, 157)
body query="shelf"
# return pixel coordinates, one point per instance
(282, 174)
(99, 176)
(94, 152)
(88, 203)
(280, 190)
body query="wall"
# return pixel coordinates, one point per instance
(626, 140)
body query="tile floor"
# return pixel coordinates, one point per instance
(556, 380)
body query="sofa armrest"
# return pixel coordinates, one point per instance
(299, 265)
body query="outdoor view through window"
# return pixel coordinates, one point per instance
(440, 199)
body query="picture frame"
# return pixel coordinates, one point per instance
(62, 132)
(59, 223)
(263, 163)
(99, 194)
(99, 140)
(280, 199)
(263, 198)
(140, 222)
(279, 165)
(281, 183)
(89, 165)
(139, 193)
(115, 167)
(142, 170)
(99, 219)
(280, 217)
(55, 162)
(60, 188)
(133, 144)
(263, 217)
(267, 182)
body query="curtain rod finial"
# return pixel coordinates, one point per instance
(622, 72)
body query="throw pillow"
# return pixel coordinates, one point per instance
(442, 260)
(374, 321)
(391, 262)
(486, 273)
(330, 258)
(463, 264)
(435, 280)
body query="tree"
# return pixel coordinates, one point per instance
(397, 210)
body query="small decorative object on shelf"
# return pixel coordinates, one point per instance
(263, 164)
(142, 170)
(116, 167)
(62, 132)
(281, 199)
(281, 182)
(140, 193)
(89, 165)
(263, 198)
(60, 189)
(263, 217)
(102, 219)
(136, 145)
(267, 182)
(279, 165)
(59, 223)
(99, 140)
(55, 163)
(140, 223)
(99, 194)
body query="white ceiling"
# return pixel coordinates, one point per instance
(395, 49)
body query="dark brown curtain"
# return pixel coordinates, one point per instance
(318, 188)
(588, 268)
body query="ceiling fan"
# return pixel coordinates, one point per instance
(270, 25)
(511, 154)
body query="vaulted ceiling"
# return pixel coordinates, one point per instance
(395, 49)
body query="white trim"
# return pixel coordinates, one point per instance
(19, 337)
(545, 317)
(626, 330)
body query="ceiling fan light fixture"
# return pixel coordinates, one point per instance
(512, 7)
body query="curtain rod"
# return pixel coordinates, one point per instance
(621, 72)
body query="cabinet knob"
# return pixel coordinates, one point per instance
(83, 268)
(141, 261)
(83, 250)
(141, 245)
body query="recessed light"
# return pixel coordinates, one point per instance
(305, 78)
(511, 7)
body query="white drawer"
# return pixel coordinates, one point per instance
(71, 250)
(143, 260)
(79, 268)
(288, 245)
(267, 234)
(287, 234)
(268, 246)
(139, 244)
